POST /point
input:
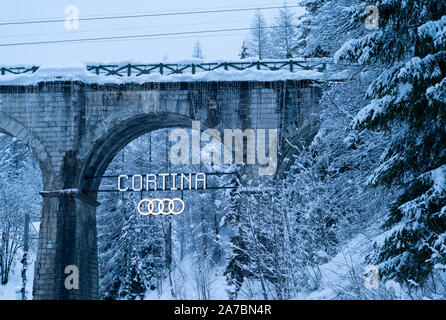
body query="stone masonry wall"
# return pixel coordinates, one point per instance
(64, 123)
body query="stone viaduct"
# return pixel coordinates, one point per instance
(74, 129)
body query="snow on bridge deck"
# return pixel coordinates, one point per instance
(184, 71)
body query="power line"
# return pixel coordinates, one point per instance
(129, 36)
(137, 13)
(120, 29)
(143, 15)
(180, 37)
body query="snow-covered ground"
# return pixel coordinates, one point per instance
(11, 291)
(190, 282)
(342, 277)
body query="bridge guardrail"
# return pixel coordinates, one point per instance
(17, 70)
(187, 68)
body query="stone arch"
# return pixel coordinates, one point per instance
(14, 128)
(111, 136)
(111, 140)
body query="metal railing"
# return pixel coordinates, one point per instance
(187, 68)
(17, 70)
(192, 68)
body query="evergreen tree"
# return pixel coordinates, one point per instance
(133, 278)
(237, 255)
(19, 195)
(131, 256)
(244, 53)
(284, 33)
(409, 103)
(198, 51)
(258, 37)
(327, 25)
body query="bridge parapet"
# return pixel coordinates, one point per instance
(193, 67)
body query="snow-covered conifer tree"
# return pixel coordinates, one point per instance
(408, 102)
(198, 51)
(284, 33)
(258, 41)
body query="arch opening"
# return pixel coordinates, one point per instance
(11, 127)
(120, 135)
(151, 256)
(21, 179)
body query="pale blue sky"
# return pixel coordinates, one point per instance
(215, 46)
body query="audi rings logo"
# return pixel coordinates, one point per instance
(161, 206)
